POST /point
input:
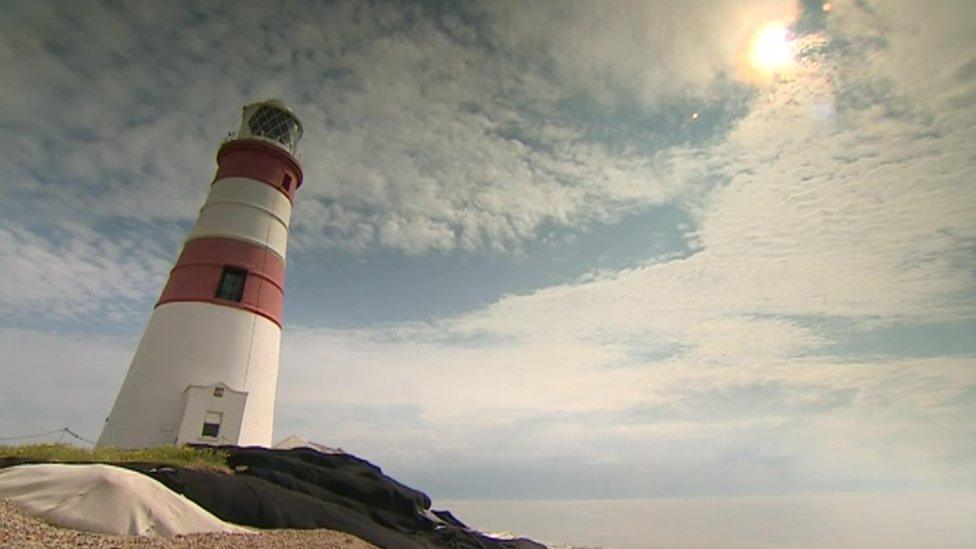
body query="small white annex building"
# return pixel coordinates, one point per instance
(217, 408)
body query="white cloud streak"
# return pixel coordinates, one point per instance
(79, 275)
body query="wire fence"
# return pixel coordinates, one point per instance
(62, 433)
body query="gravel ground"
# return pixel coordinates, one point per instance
(20, 530)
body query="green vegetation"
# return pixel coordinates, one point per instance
(194, 458)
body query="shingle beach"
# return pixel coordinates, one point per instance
(20, 530)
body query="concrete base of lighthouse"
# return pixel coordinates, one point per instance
(198, 362)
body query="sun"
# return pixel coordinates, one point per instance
(772, 49)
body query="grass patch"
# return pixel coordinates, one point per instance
(194, 458)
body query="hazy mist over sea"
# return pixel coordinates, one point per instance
(888, 520)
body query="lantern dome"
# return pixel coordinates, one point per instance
(271, 121)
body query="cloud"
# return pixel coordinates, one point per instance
(926, 62)
(116, 113)
(655, 50)
(530, 417)
(842, 197)
(77, 274)
(863, 215)
(59, 380)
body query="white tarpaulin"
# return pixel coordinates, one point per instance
(106, 500)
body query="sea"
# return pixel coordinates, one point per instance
(945, 520)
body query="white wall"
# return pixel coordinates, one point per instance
(248, 210)
(188, 343)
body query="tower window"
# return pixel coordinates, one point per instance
(231, 285)
(286, 182)
(211, 424)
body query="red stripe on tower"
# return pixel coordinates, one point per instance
(197, 274)
(262, 162)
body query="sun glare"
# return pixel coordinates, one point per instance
(772, 50)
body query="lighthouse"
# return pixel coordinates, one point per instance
(206, 368)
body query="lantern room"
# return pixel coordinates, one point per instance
(271, 121)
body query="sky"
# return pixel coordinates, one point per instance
(557, 250)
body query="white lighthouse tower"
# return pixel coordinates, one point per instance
(206, 368)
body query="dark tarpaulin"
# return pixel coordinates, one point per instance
(252, 501)
(304, 488)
